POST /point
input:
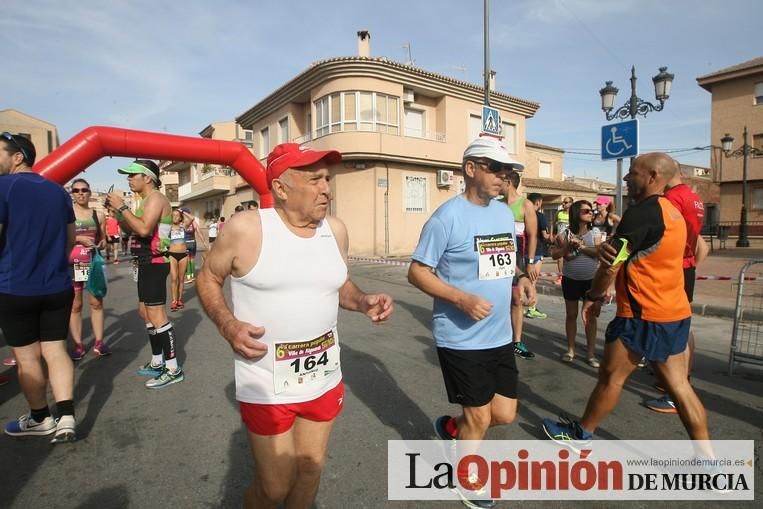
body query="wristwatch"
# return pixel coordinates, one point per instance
(122, 208)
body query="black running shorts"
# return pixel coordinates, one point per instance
(473, 377)
(25, 320)
(521, 260)
(152, 283)
(690, 274)
(574, 289)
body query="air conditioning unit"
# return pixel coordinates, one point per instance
(444, 178)
(408, 95)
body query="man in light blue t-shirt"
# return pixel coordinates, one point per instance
(466, 260)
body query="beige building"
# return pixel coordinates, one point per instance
(402, 131)
(737, 101)
(43, 135)
(210, 190)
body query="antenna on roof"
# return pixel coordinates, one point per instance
(410, 61)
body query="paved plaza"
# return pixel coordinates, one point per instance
(184, 446)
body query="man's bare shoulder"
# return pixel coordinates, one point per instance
(240, 242)
(244, 225)
(337, 226)
(157, 198)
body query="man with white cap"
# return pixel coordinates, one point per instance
(289, 276)
(466, 260)
(150, 225)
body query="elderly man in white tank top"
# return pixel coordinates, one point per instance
(288, 268)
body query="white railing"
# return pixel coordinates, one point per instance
(215, 172)
(184, 189)
(303, 139)
(425, 135)
(409, 133)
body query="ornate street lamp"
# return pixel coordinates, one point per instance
(727, 143)
(663, 83)
(635, 106)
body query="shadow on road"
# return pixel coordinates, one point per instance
(240, 467)
(370, 380)
(422, 314)
(113, 496)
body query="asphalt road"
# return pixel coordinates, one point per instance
(184, 446)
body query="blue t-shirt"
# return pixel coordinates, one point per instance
(34, 213)
(448, 243)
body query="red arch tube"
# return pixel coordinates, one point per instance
(96, 142)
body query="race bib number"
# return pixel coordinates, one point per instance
(177, 235)
(81, 272)
(497, 256)
(305, 362)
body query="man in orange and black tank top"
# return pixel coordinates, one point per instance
(653, 312)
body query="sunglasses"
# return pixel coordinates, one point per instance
(566, 202)
(80, 190)
(9, 137)
(586, 211)
(493, 166)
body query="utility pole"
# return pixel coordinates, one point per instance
(487, 51)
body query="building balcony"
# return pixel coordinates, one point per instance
(427, 147)
(209, 182)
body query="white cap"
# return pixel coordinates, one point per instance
(487, 147)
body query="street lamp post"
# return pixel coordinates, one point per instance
(744, 151)
(632, 108)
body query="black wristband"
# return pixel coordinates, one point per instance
(590, 297)
(520, 276)
(123, 208)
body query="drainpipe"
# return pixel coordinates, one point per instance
(386, 214)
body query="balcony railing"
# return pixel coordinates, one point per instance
(185, 189)
(409, 133)
(303, 139)
(205, 173)
(425, 135)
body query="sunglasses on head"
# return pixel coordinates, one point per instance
(9, 137)
(80, 190)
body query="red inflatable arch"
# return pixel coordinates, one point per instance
(96, 142)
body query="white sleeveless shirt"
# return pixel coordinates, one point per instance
(293, 292)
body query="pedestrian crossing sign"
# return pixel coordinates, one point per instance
(491, 121)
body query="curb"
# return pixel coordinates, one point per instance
(697, 308)
(548, 288)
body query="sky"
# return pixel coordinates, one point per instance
(176, 66)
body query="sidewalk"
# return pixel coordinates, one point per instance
(712, 296)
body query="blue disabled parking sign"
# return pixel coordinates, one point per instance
(619, 140)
